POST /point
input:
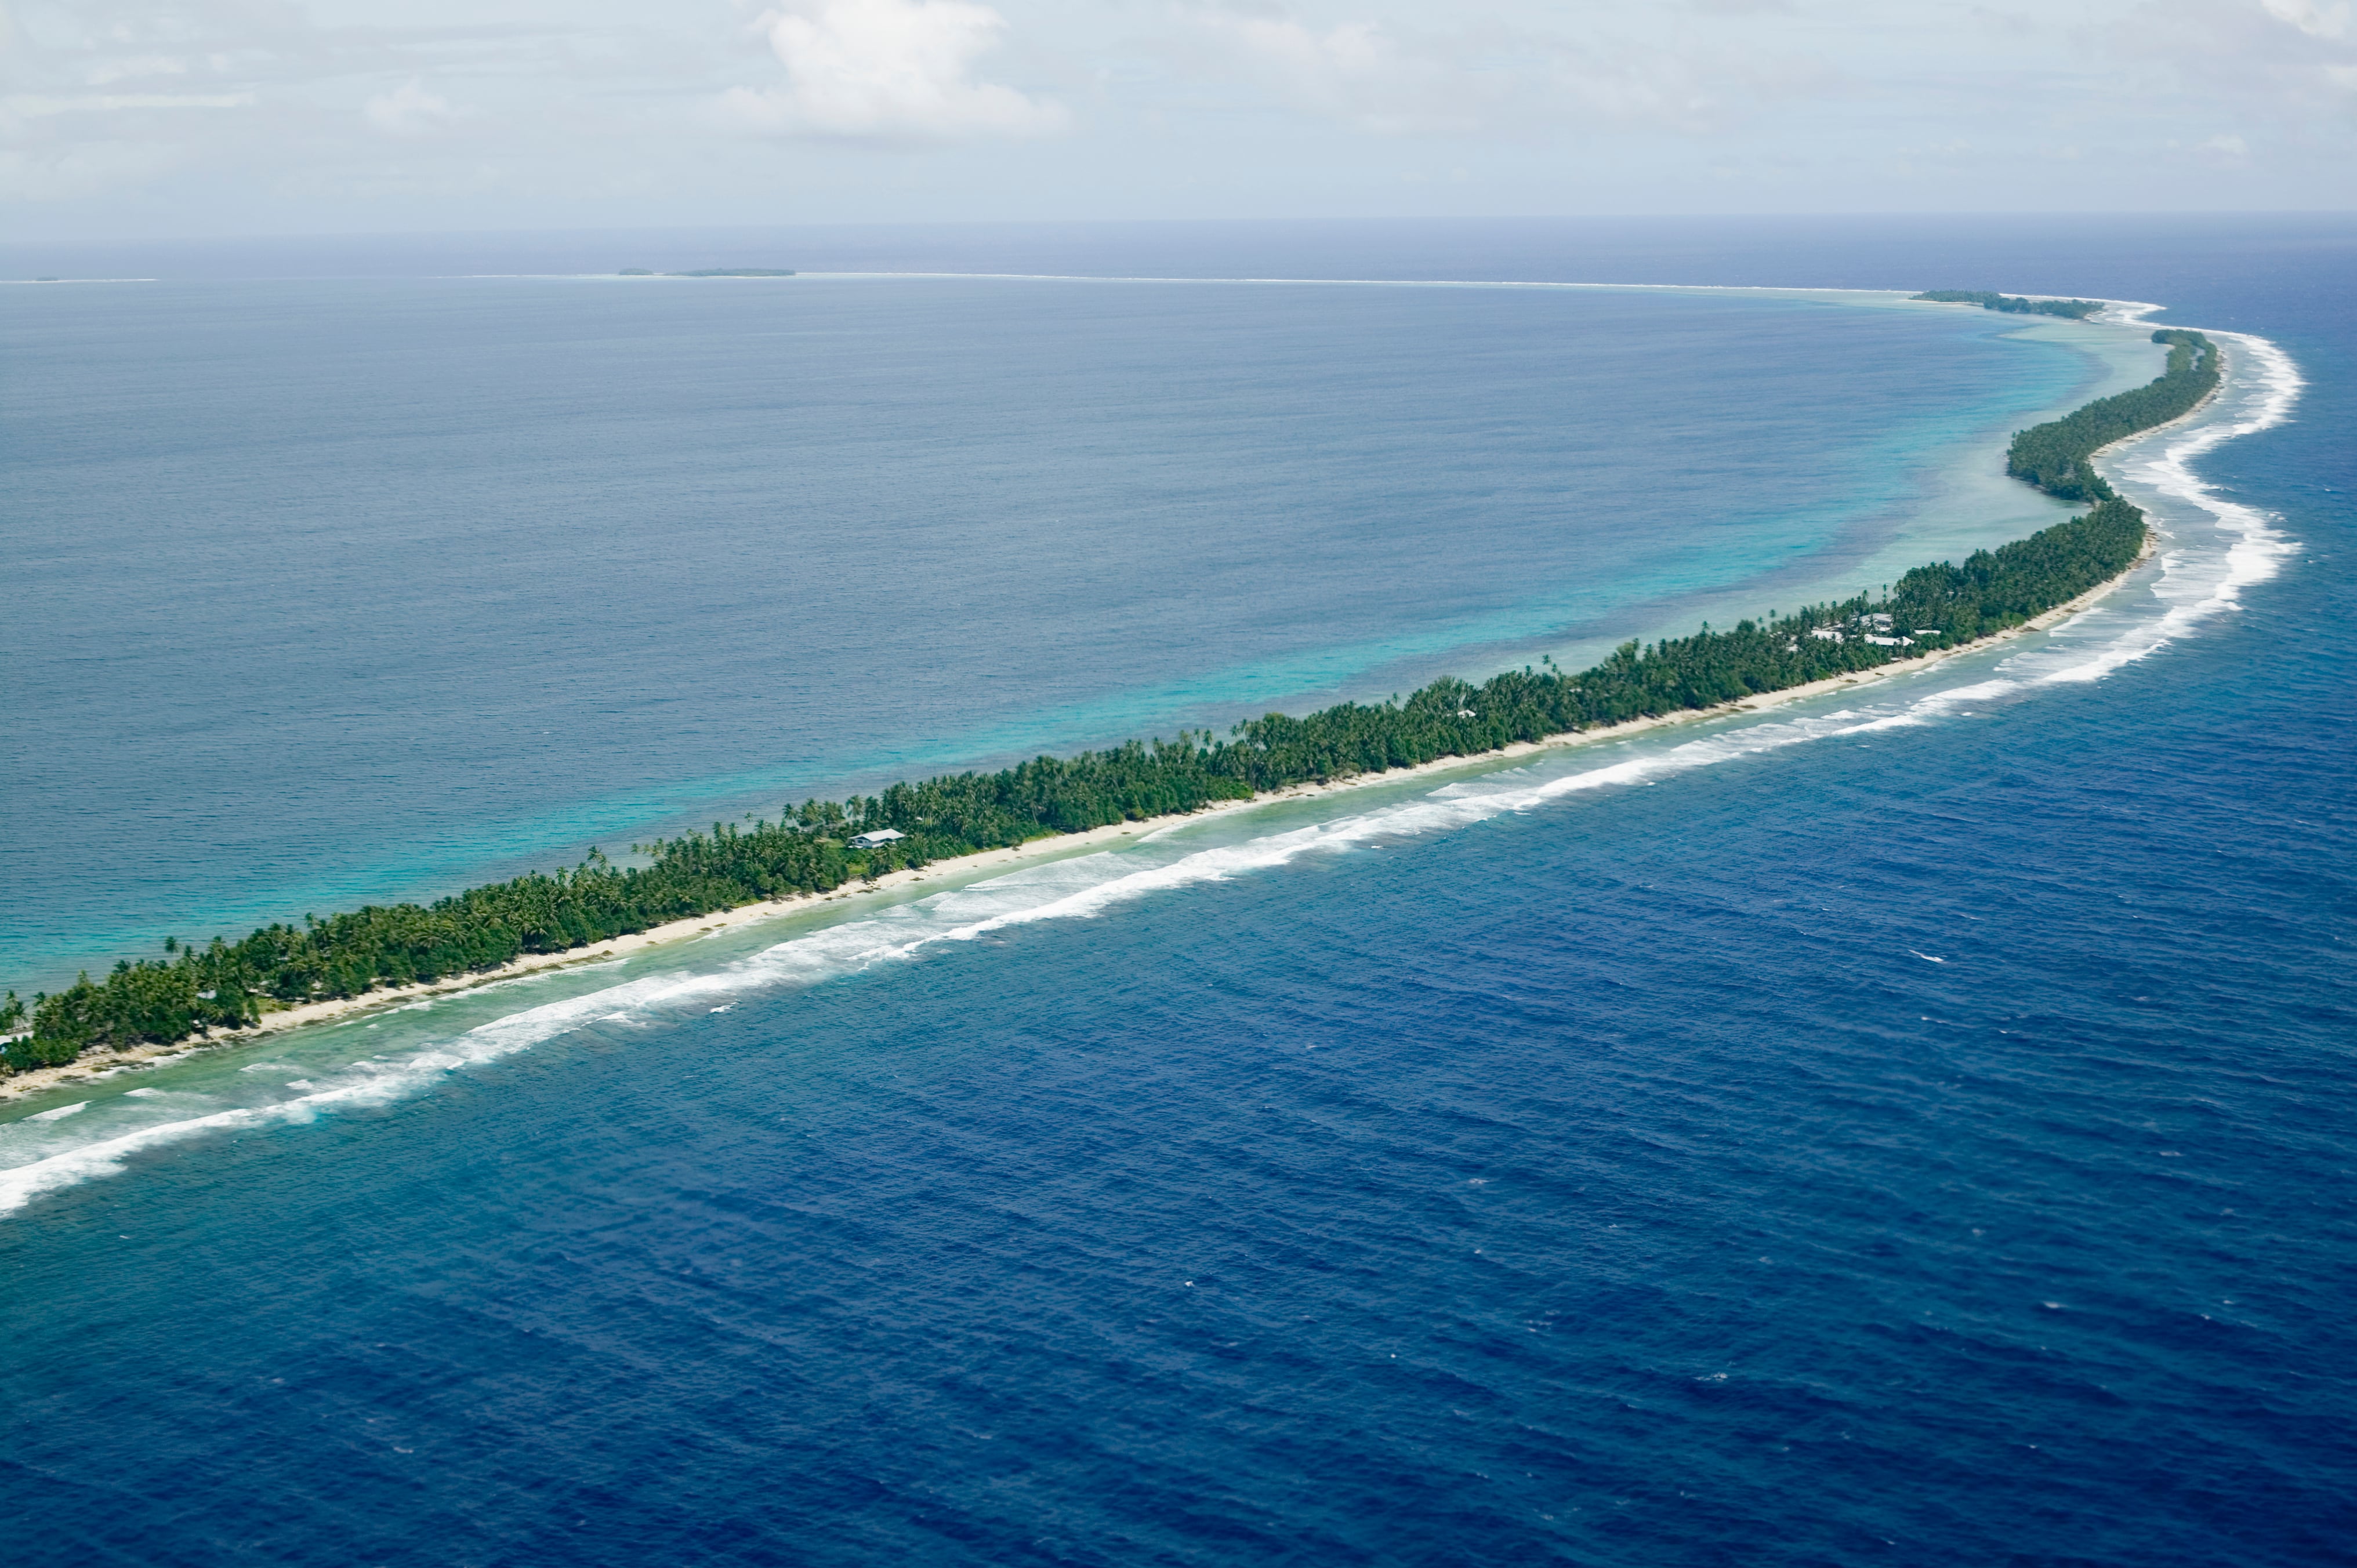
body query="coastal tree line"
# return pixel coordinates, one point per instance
(2013, 304)
(2054, 455)
(223, 984)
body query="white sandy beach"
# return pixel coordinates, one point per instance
(977, 867)
(990, 863)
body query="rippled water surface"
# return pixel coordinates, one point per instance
(352, 589)
(1916, 1125)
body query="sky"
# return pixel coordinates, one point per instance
(199, 118)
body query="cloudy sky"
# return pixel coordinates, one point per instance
(199, 117)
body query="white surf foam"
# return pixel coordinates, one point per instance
(1082, 887)
(2219, 548)
(2210, 555)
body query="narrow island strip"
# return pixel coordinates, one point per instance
(284, 973)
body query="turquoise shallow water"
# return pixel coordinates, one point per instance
(1911, 1127)
(357, 589)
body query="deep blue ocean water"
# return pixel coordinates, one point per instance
(1921, 1139)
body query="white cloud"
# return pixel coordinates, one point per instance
(1518, 76)
(411, 111)
(2282, 61)
(229, 116)
(36, 104)
(2317, 21)
(1353, 70)
(52, 175)
(895, 72)
(142, 65)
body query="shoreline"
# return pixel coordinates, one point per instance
(995, 861)
(987, 863)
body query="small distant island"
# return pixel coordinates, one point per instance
(823, 845)
(710, 273)
(2013, 304)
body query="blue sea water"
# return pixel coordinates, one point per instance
(359, 589)
(1917, 1126)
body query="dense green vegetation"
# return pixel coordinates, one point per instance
(2013, 304)
(2053, 455)
(227, 985)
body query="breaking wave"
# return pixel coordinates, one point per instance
(2212, 549)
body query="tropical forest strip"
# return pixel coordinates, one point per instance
(227, 985)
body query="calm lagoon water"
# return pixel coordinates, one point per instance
(360, 589)
(1918, 1130)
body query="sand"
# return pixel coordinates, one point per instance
(976, 867)
(990, 863)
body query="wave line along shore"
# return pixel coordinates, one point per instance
(971, 826)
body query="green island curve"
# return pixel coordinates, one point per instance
(2013, 304)
(229, 985)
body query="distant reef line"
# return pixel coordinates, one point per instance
(194, 991)
(709, 273)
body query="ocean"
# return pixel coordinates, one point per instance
(1912, 1125)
